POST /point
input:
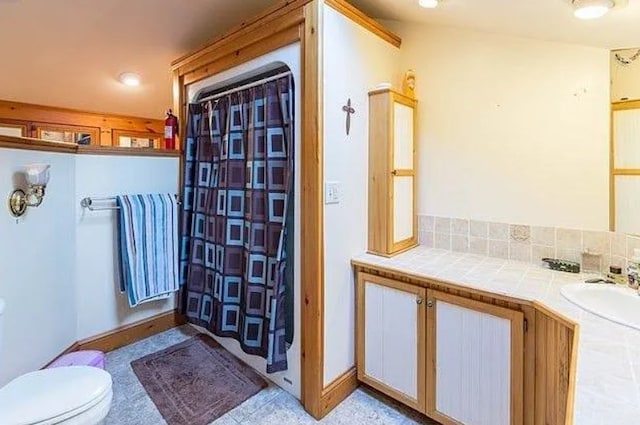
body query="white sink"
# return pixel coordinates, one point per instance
(618, 304)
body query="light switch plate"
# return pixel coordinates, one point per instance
(331, 193)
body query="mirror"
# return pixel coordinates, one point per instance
(625, 141)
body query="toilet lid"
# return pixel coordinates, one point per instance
(46, 394)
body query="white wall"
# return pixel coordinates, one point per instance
(36, 267)
(510, 129)
(625, 79)
(100, 306)
(354, 62)
(290, 55)
(57, 263)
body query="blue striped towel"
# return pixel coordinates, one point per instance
(148, 237)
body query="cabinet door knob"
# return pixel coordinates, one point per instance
(430, 304)
(394, 172)
(419, 301)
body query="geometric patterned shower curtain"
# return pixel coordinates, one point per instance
(238, 182)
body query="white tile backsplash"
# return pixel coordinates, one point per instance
(525, 243)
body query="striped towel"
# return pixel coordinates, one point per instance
(148, 238)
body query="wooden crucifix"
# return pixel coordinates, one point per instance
(349, 110)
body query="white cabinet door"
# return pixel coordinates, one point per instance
(476, 362)
(391, 341)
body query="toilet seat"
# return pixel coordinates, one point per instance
(54, 396)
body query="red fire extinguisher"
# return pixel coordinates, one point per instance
(170, 130)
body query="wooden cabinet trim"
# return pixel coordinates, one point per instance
(363, 278)
(548, 392)
(382, 174)
(24, 125)
(40, 127)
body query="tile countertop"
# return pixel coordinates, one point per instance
(608, 375)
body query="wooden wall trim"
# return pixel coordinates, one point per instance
(8, 142)
(23, 143)
(115, 151)
(338, 390)
(274, 41)
(133, 332)
(312, 213)
(359, 17)
(57, 115)
(245, 28)
(73, 347)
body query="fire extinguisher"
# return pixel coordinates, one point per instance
(170, 130)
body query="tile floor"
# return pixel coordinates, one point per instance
(132, 406)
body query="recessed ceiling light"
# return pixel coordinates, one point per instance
(130, 79)
(591, 9)
(428, 4)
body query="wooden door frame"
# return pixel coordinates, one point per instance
(286, 23)
(517, 352)
(421, 293)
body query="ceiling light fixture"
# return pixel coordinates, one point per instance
(591, 9)
(429, 4)
(130, 79)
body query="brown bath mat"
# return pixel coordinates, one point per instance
(197, 381)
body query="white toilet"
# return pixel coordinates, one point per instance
(74, 395)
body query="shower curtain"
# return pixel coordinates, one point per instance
(237, 213)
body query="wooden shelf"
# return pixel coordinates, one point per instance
(25, 143)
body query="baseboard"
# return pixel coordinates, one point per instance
(73, 347)
(338, 390)
(131, 333)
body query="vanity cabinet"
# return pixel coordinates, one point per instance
(475, 353)
(392, 173)
(458, 360)
(391, 338)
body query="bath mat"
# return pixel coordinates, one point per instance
(197, 381)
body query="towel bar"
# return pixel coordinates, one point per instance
(88, 203)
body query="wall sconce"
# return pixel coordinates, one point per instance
(37, 176)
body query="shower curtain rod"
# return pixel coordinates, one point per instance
(246, 86)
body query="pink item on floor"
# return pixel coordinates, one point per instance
(80, 358)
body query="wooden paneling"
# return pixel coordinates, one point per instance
(129, 334)
(61, 117)
(351, 12)
(241, 35)
(550, 347)
(239, 56)
(555, 367)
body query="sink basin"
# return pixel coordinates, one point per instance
(617, 304)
